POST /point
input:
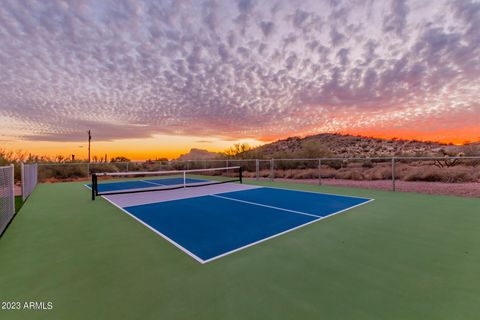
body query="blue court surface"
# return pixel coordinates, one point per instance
(211, 226)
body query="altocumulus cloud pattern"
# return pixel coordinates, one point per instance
(240, 68)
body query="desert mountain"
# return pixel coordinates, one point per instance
(199, 154)
(340, 145)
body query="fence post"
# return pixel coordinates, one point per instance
(226, 163)
(257, 169)
(127, 167)
(393, 174)
(319, 171)
(13, 189)
(272, 173)
(22, 177)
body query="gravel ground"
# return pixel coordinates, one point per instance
(470, 189)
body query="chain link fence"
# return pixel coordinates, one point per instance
(29, 179)
(416, 174)
(7, 196)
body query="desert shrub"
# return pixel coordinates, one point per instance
(178, 165)
(306, 174)
(295, 164)
(249, 174)
(414, 174)
(62, 172)
(282, 164)
(334, 164)
(378, 173)
(279, 173)
(452, 174)
(289, 174)
(367, 163)
(103, 167)
(472, 162)
(472, 150)
(264, 173)
(459, 176)
(328, 173)
(429, 174)
(349, 174)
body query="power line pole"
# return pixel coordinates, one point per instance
(89, 139)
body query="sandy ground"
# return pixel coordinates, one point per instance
(470, 189)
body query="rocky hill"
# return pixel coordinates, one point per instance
(339, 145)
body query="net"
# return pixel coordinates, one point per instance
(29, 179)
(7, 196)
(132, 182)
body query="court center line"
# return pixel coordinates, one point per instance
(157, 184)
(266, 206)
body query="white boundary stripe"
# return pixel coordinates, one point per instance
(314, 192)
(157, 184)
(157, 232)
(284, 232)
(266, 206)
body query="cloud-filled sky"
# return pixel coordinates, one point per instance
(229, 70)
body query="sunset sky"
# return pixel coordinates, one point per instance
(156, 78)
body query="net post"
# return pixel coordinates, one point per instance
(13, 188)
(94, 186)
(257, 169)
(393, 174)
(320, 171)
(240, 173)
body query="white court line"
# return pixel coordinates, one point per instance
(158, 232)
(283, 232)
(266, 206)
(314, 192)
(157, 184)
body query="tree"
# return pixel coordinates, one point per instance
(120, 159)
(237, 150)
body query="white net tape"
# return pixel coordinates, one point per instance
(7, 196)
(29, 179)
